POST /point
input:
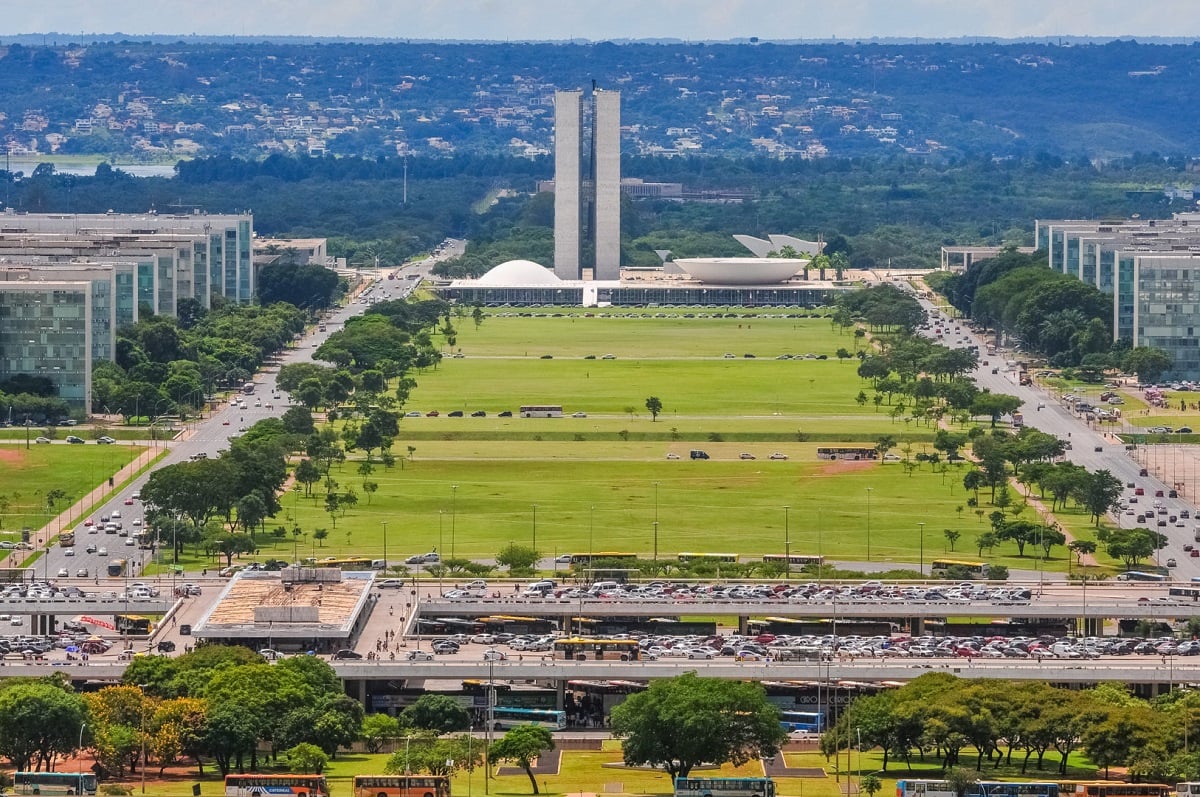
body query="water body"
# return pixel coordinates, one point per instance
(87, 169)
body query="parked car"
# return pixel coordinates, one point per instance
(346, 653)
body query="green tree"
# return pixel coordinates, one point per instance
(870, 784)
(38, 722)
(440, 713)
(681, 722)
(517, 558)
(378, 729)
(654, 406)
(307, 758)
(1148, 362)
(522, 745)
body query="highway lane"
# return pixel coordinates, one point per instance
(1089, 447)
(211, 435)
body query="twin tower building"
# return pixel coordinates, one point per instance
(587, 184)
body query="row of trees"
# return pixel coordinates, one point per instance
(940, 716)
(1063, 318)
(167, 365)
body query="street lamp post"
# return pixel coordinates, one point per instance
(534, 526)
(922, 525)
(385, 545)
(453, 515)
(787, 546)
(656, 540)
(79, 753)
(869, 523)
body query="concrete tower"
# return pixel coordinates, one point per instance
(606, 176)
(568, 184)
(593, 205)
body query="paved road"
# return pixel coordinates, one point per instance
(1089, 448)
(212, 434)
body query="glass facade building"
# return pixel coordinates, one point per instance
(1151, 268)
(46, 331)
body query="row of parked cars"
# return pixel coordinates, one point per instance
(867, 592)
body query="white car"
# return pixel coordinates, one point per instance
(102, 552)
(494, 655)
(420, 655)
(672, 455)
(777, 455)
(69, 552)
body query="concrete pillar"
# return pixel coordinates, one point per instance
(560, 693)
(916, 626)
(743, 624)
(362, 693)
(1093, 626)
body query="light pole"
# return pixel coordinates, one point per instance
(534, 526)
(869, 523)
(591, 532)
(922, 525)
(787, 546)
(142, 687)
(656, 540)
(656, 502)
(441, 517)
(453, 515)
(384, 545)
(79, 754)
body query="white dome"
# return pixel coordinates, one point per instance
(519, 272)
(742, 270)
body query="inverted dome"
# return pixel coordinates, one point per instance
(742, 270)
(519, 272)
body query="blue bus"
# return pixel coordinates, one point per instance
(806, 721)
(724, 787)
(512, 717)
(54, 783)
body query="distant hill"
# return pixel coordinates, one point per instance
(164, 99)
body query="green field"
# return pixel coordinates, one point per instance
(601, 482)
(582, 772)
(27, 475)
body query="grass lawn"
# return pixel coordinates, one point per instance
(603, 497)
(714, 388)
(586, 771)
(26, 475)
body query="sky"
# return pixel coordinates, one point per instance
(611, 19)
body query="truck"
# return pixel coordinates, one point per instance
(1018, 420)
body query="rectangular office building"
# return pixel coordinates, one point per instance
(46, 331)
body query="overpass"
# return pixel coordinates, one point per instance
(44, 611)
(358, 675)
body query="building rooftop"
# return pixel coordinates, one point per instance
(258, 604)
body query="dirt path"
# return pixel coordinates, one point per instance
(1039, 506)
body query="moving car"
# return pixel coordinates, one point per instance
(346, 653)
(777, 455)
(419, 655)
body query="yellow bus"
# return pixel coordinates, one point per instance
(940, 566)
(341, 562)
(685, 558)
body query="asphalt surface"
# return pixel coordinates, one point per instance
(1090, 448)
(210, 435)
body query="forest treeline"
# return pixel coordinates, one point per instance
(893, 212)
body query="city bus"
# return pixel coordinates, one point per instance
(684, 558)
(984, 788)
(134, 624)
(54, 783)
(341, 562)
(541, 411)
(585, 560)
(66, 539)
(506, 717)
(261, 785)
(724, 787)
(1109, 788)
(804, 721)
(794, 559)
(248, 388)
(116, 568)
(1137, 575)
(847, 453)
(940, 566)
(401, 786)
(591, 647)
